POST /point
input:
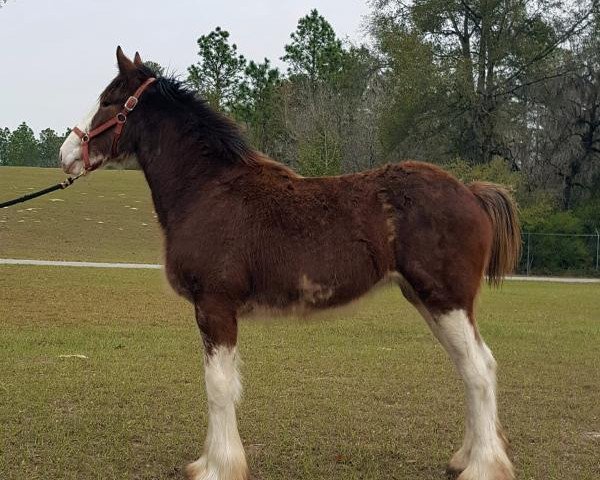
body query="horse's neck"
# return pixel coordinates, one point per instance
(176, 172)
(163, 187)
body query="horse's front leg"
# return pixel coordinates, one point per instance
(223, 457)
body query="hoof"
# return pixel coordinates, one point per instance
(458, 463)
(499, 469)
(452, 472)
(201, 469)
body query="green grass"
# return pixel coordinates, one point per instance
(360, 393)
(106, 217)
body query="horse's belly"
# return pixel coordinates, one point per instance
(306, 296)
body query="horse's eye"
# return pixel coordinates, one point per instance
(104, 104)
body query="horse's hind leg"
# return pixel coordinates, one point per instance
(223, 457)
(483, 453)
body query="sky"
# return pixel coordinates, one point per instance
(56, 56)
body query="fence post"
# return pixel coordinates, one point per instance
(597, 247)
(528, 243)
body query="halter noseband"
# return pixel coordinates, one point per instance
(118, 121)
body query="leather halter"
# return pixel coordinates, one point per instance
(118, 121)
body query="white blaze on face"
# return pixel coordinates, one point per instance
(70, 151)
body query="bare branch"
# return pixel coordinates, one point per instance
(577, 27)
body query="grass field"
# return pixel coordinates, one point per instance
(362, 393)
(107, 216)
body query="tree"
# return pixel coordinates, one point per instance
(486, 51)
(258, 104)
(219, 72)
(315, 53)
(566, 125)
(156, 67)
(48, 146)
(357, 99)
(414, 118)
(22, 148)
(4, 136)
(329, 101)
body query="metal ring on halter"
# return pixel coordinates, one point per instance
(131, 103)
(85, 138)
(121, 117)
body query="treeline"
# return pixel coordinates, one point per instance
(503, 91)
(448, 82)
(21, 147)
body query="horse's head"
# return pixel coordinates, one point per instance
(102, 136)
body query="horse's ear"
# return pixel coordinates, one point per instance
(125, 65)
(137, 60)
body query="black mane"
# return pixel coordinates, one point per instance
(214, 129)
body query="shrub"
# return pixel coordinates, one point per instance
(565, 252)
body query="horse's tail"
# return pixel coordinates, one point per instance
(506, 241)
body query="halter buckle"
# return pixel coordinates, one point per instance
(121, 117)
(130, 103)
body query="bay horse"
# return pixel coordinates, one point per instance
(243, 232)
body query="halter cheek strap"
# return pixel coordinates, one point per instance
(118, 121)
